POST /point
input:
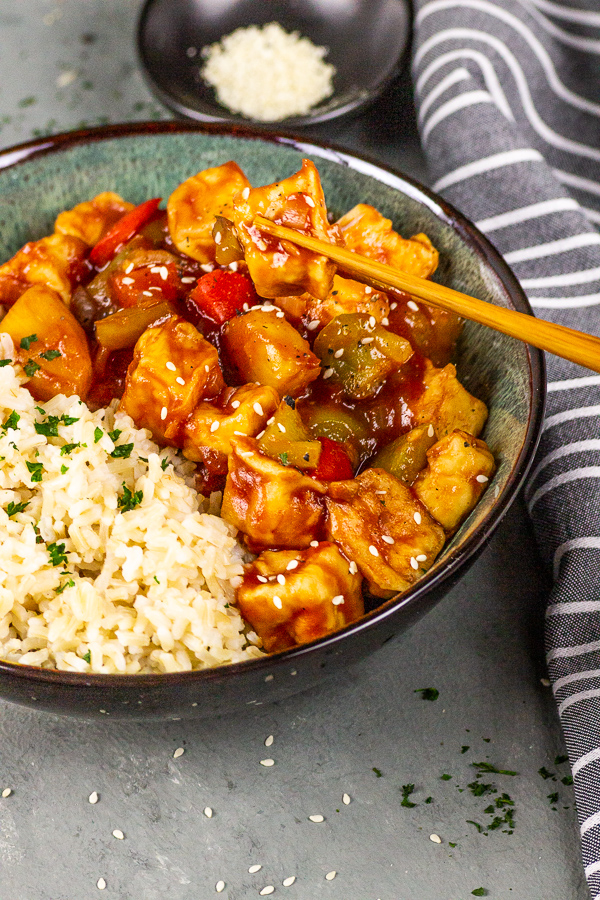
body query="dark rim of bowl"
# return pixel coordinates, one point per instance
(321, 113)
(452, 565)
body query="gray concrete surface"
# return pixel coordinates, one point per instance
(367, 734)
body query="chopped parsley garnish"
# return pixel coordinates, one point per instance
(50, 427)
(26, 342)
(464, 748)
(445, 777)
(553, 798)
(38, 538)
(5, 362)
(13, 508)
(568, 780)
(50, 354)
(561, 759)
(163, 464)
(479, 892)
(428, 800)
(98, 435)
(87, 657)
(377, 771)
(129, 499)
(63, 587)
(30, 368)
(156, 580)
(68, 448)
(113, 435)
(452, 843)
(58, 557)
(284, 459)
(476, 824)
(69, 420)
(546, 774)
(407, 790)
(64, 470)
(428, 693)
(123, 451)
(12, 421)
(35, 469)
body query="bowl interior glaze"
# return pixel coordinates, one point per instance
(40, 179)
(366, 40)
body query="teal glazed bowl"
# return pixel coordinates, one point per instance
(39, 179)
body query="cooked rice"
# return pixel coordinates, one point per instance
(146, 589)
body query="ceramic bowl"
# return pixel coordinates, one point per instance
(366, 39)
(40, 179)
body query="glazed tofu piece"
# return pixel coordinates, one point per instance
(56, 261)
(279, 268)
(291, 597)
(263, 347)
(172, 370)
(90, 220)
(458, 470)
(212, 425)
(348, 296)
(193, 206)
(272, 504)
(50, 344)
(366, 231)
(447, 404)
(384, 529)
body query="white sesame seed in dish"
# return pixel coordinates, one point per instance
(387, 539)
(346, 799)
(372, 321)
(413, 562)
(215, 425)
(368, 340)
(316, 818)
(309, 201)
(208, 812)
(482, 479)
(293, 564)
(330, 875)
(220, 887)
(417, 517)
(368, 289)
(422, 557)
(101, 884)
(180, 380)
(269, 741)
(288, 882)
(412, 305)
(179, 752)
(277, 602)
(93, 798)
(312, 325)
(338, 601)
(257, 408)
(235, 404)
(163, 413)
(373, 550)
(268, 889)
(435, 838)
(339, 353)
(171, 366)
(281, 579)
(6, 792)
(267, 763)
(327, 373)
(314, 543)
(255, 868)
(118, 834)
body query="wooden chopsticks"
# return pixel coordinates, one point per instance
(576, 346)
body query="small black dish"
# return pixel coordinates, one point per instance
(367, 40)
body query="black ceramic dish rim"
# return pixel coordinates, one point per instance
(459, 559)
(320, 115)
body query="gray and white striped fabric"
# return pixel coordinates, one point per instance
(508, 98)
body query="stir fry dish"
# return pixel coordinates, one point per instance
(327, 413)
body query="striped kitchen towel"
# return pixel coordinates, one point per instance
(508, 100)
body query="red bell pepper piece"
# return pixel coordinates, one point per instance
(334, 463)
(219, 295)
(122, 231)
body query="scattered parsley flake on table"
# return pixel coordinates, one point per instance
(429, 693)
